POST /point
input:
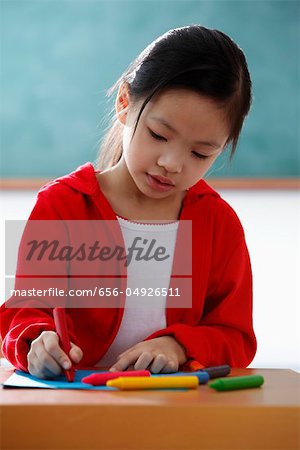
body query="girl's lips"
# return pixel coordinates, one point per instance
(157, 185)
(163, 180)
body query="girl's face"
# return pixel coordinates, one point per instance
(179, 136)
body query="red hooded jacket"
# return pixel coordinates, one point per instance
(216, 330)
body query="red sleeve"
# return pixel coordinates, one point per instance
(20, 326)
(225, 333)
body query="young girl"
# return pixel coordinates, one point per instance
(179, 105)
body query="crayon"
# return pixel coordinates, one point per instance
(136, 383)
(192, 365)
(233, 383)
(217, 371)
(100, 379)
(64, 341)
(202, 376)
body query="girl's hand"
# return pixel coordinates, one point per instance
(163, 354)
(46, 358)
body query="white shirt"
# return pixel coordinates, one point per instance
(143, 315)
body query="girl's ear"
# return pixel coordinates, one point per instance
(122, 102)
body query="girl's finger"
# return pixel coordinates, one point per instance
(143, 361)
(45, 373)
(46, 363)
(124, 362)
(51, 345)
(159, 363)
(76, 353)
(170, 367)
(124, 353)
(37, 369)
(36, 373)
(31, 369)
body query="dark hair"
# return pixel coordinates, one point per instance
(192, 57)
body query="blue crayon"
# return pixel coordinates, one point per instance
(203, 377)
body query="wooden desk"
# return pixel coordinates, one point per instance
(262, 418)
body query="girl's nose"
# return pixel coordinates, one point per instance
(171, 163)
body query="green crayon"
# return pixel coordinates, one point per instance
(233, 383)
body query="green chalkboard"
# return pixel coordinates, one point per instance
(58, 59)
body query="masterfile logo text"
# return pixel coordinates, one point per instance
(86, 264)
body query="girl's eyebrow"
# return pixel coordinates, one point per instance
(167, 125)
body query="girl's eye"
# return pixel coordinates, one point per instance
(160, 138)
(198, 155)
(156, 136)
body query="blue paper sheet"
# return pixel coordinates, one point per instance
(21, 379)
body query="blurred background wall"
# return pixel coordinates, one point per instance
(58, 59)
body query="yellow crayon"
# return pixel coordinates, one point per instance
(132, 383)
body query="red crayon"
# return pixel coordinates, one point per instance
(64, 340)
(100, 379)
(192, 366)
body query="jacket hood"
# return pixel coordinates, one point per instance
(84, 180)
